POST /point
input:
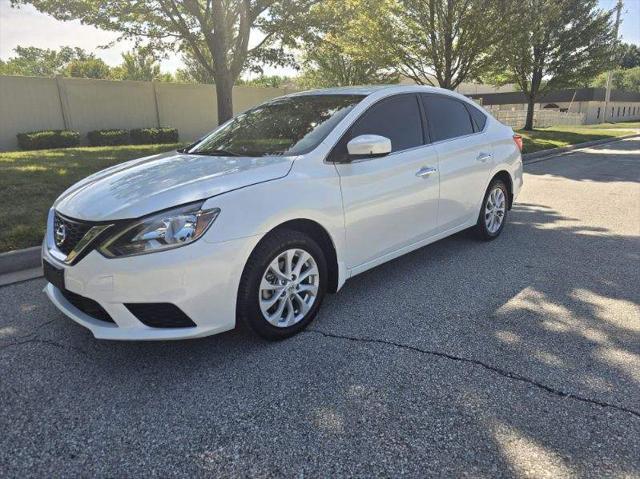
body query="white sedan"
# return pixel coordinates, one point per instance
(282, 204)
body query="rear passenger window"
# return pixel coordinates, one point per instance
(479, 118)
(397, 118)
(448, 118)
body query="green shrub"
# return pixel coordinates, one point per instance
(144, 136)
(45, 139)
(108, 137)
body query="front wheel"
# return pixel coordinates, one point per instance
(493, 214)
(283, 285)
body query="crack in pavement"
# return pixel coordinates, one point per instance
(502, 372)
(33, 331)
(44, 341)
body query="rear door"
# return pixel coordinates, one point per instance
(465, 157)
(390, 201)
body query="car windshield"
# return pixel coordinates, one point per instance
(286, 126)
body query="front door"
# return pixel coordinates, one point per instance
(392, 201)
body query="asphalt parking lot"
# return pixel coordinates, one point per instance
(515, 358)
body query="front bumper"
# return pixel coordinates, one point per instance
(201, 279)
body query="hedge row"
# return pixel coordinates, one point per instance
(141, 136)
(108, 137)
(137, 136)
(40, 140)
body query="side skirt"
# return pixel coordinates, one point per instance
(407, 249)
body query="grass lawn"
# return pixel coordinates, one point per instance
(31, 180)
(556, 136)
(622, 125)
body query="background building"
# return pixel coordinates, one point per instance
(588, 103)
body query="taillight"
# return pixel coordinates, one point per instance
(518, 139)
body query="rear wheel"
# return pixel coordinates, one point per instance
(493, 214)
(283, 285)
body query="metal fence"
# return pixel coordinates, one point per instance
(30, 104)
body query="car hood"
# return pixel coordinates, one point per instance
(154, 183)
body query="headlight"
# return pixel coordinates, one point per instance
(161, 231)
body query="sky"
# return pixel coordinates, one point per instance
(27, 27)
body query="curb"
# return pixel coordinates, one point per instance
(542, 154)
(20, 276)
(19, 260)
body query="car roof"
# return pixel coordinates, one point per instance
(366, 90)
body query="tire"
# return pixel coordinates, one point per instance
(254, 294)
(485, 229)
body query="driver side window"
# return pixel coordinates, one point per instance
(397, 118)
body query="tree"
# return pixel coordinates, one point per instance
(216, 32)
(450, 40)
(91, 67)
(627, 79)
(195, 71)
(269, 81)
(617, 80)
(435, 42)
(629, 55)
(32, 61)
(331, 51)
(140, 64)
(554, 44)
(632, 79)
(327, 65)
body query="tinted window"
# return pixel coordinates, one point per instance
(398, 118)
(285, 126)
(448, 118)
(479, 118)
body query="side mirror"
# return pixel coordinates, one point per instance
(369, 145)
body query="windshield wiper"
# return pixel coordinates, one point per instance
(215, 152)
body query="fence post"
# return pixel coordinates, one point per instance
(64, 102)
(155, 100)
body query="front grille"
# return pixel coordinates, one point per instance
(72, 231)
(160, 315)
(87, 306)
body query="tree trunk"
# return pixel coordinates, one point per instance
(534, 89)
(224, 95)
(528, 125)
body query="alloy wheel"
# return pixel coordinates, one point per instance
(289, 288)
(495, 210)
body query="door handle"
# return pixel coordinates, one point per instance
(425, 172)
(484, 157)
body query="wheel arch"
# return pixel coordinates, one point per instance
(505, 176)
(319, 234)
